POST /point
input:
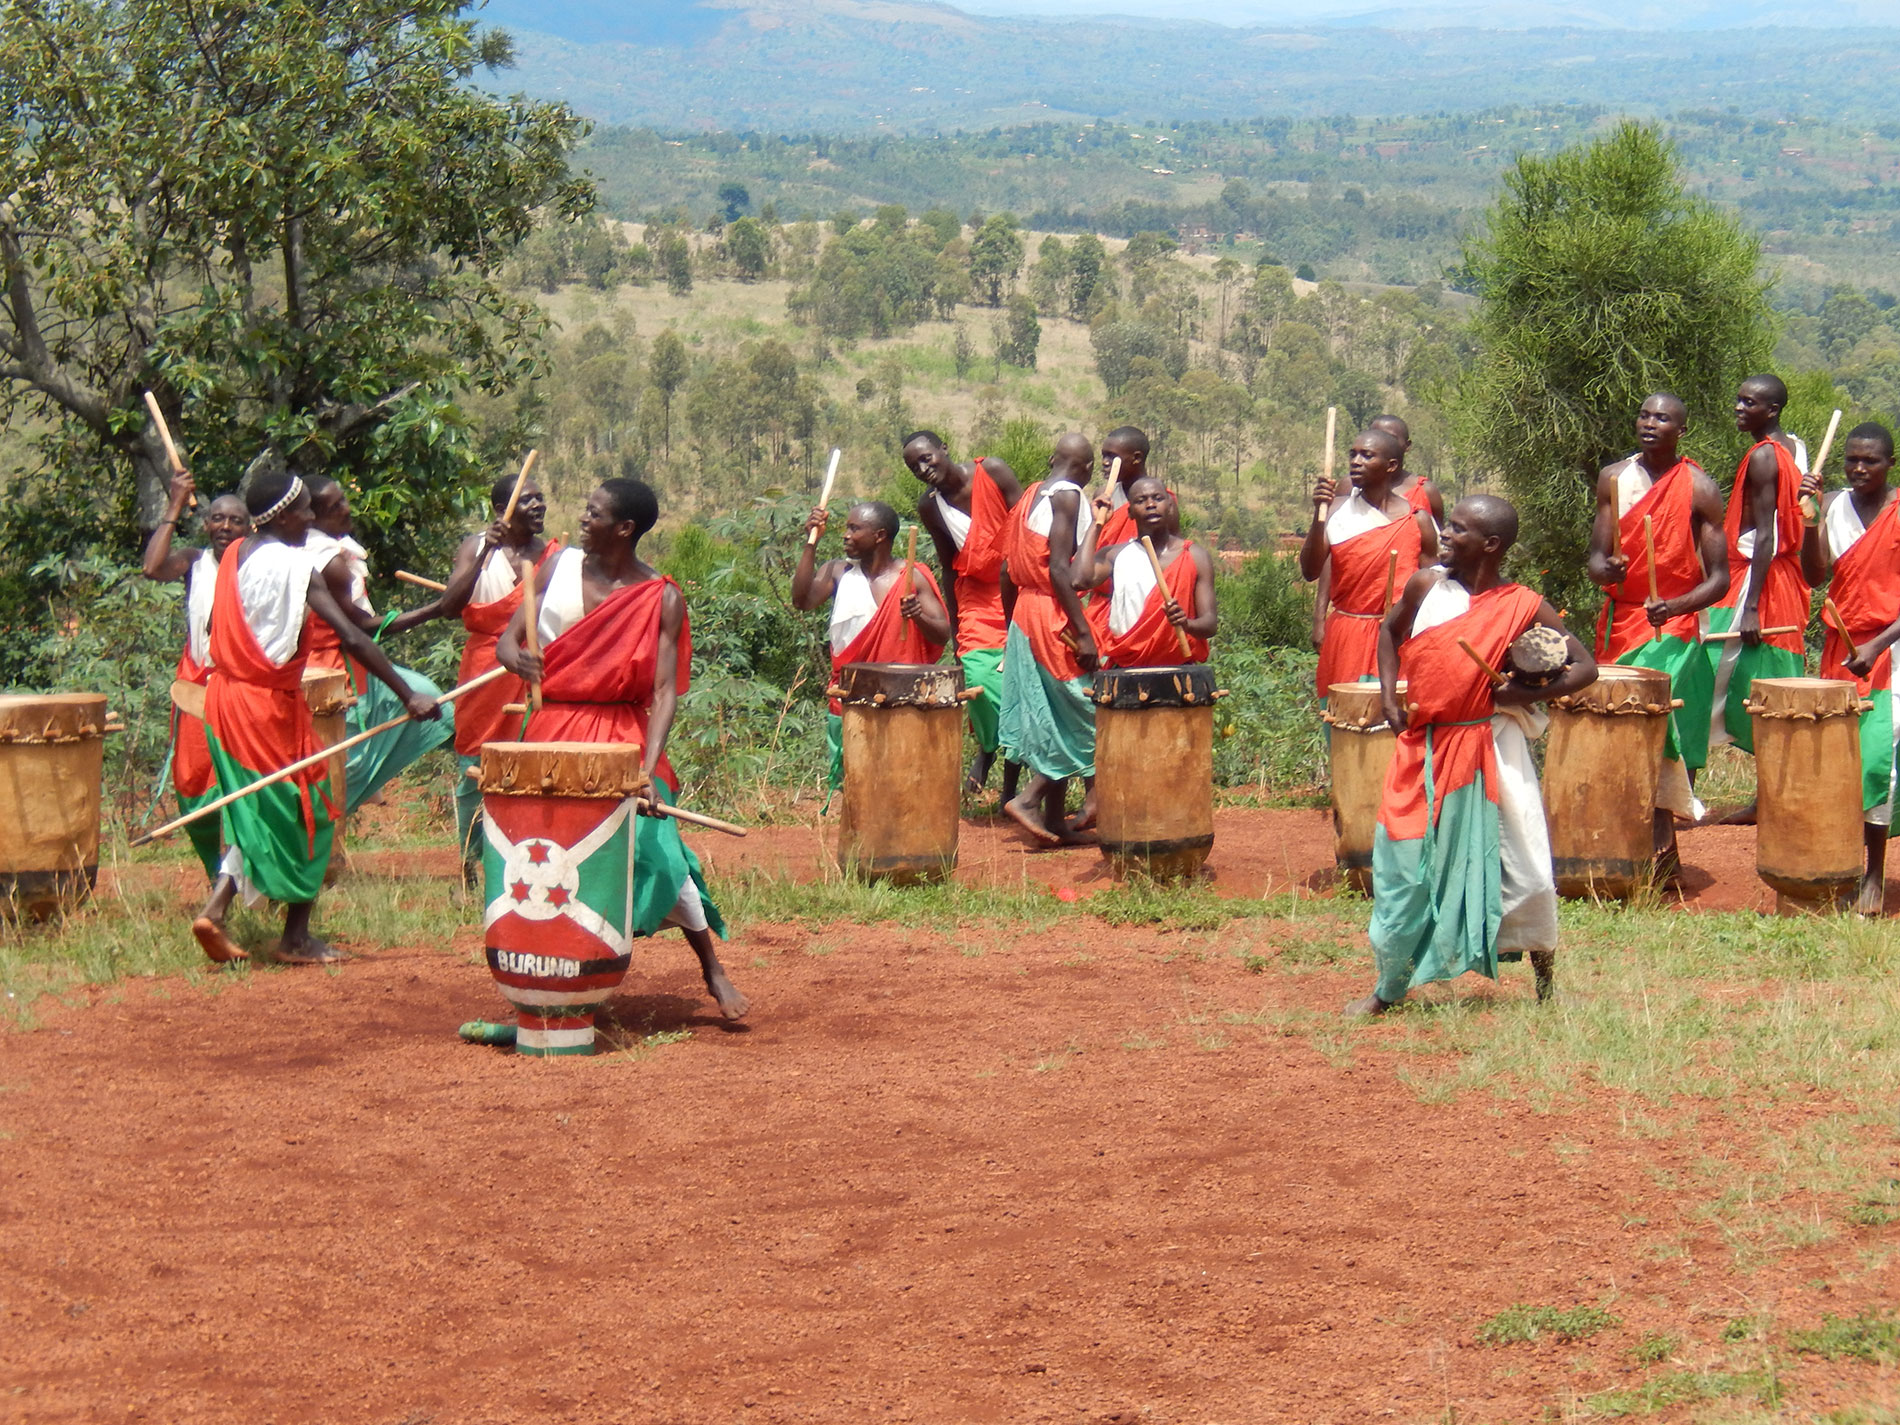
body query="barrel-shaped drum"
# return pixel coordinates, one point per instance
(1154, 768)
(903, 748)
(557, 861)
(1360, 749)
(1600, 771)
(52, 754)
(1808, 839)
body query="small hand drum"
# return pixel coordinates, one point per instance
(1537, 657)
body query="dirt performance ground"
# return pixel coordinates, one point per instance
(957, 1176)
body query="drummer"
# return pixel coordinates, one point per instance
(1143, 616)
(883, 610)
(1658, 497)
(1462, 789)
(1854, 551)
(226, 521)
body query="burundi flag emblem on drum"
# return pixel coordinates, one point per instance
(559, 917)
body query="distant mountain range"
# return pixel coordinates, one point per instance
(903, 65)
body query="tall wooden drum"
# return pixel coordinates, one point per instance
(903, 751)
(1808, 840)
(1154, 768)
(52, 756)
(1360, 750)
(557, 861)
(1600, 771)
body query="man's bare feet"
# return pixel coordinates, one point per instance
(218, 947)
(1741, 816)
(1873, 894)
(1366, 1008)
(305, 950)
(732, 1004)
(1024, 815)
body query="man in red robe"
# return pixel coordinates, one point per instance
(616, 654)
(965, 511)
(1853, 551)
(883, 610)
(1660, 497)
(1146, 619)
(1420, 493)
(485, 589)
(1373, 541)
(1766, 590)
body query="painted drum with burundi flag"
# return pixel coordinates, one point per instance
(558, 820)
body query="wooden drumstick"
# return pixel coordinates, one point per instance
(421, 583)
(1161, 587)
(697, 818)
(1811, 507)
(1391, 576)
(306, 762)
(1765, 633)
(1649, 544)
(1332, 434)
(514, 495)
(165, 439)
(1497, 678)
(824, 495)
(531, 635)
(1840, 626)
(910, 564)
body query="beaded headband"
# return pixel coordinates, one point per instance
(290, 498)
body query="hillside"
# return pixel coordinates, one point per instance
(897, 66)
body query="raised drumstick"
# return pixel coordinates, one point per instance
(1161, 587)
(421, 583)
(824, 495)
(514, 495)
(1332, 434)
(910, 564)
(1811, 507)
(1649, 543)
(531, 635)
(1497, 678)
(165, 439)
(1840, 626)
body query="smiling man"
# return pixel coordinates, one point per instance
(1143, 615)
(882, 611)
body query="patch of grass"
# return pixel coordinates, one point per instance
(1519, 1323)
(1869, 1336)
(1679, 1388)
(1879, 1207)
(1655, 1348)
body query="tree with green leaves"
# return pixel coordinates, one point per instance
(996, 253)
(1602, 281)
(667, 368)
(676, 263)
(1024, 333)
(750, 247)
(286, 219)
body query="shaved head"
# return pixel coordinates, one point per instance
(1771, 389)
(1377, 435)
(227, 505)
(878, 515)
(1490, 516)
(1073, 444)
(1393, 425)
(1671, 403)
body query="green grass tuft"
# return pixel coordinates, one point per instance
(1679, 1388)
(1519, 1323)
(1869, 1336)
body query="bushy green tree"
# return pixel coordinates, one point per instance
(1602, 281)
(996, 252)
(750, 247)
(676, 263)
(1024, 333)
(287, 219)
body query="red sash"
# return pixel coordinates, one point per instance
(1419, 498)
(1670, 504)
(1453, 705)
(478, 715)
(192, 772)
(890, 637)
(255, 709)
(1151, 642)
(1038, 615)
(1784, 595)
(1351, 647)
(1118, 528)
(597, 677)
(1866, 589)
(979, 566)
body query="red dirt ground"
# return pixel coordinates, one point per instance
(947, 1177)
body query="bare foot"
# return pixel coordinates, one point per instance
(1074, 834)
(1084, 819)
(1025, 817)
(306, 950)
(1366, 1008)
(732, 1004)
(1741, 816)
(218, 946)
(1873, 894)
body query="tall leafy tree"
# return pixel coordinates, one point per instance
(1602, 281)
(287, 219)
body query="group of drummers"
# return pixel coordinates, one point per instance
(1042, 587)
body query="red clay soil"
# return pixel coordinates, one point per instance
(941, 1177)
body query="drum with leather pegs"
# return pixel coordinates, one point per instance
(1600, 771)
(1154, 768)
(903, 753)
(1809, 844)
(557, 861)
(1359, 749)
(52, 757)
